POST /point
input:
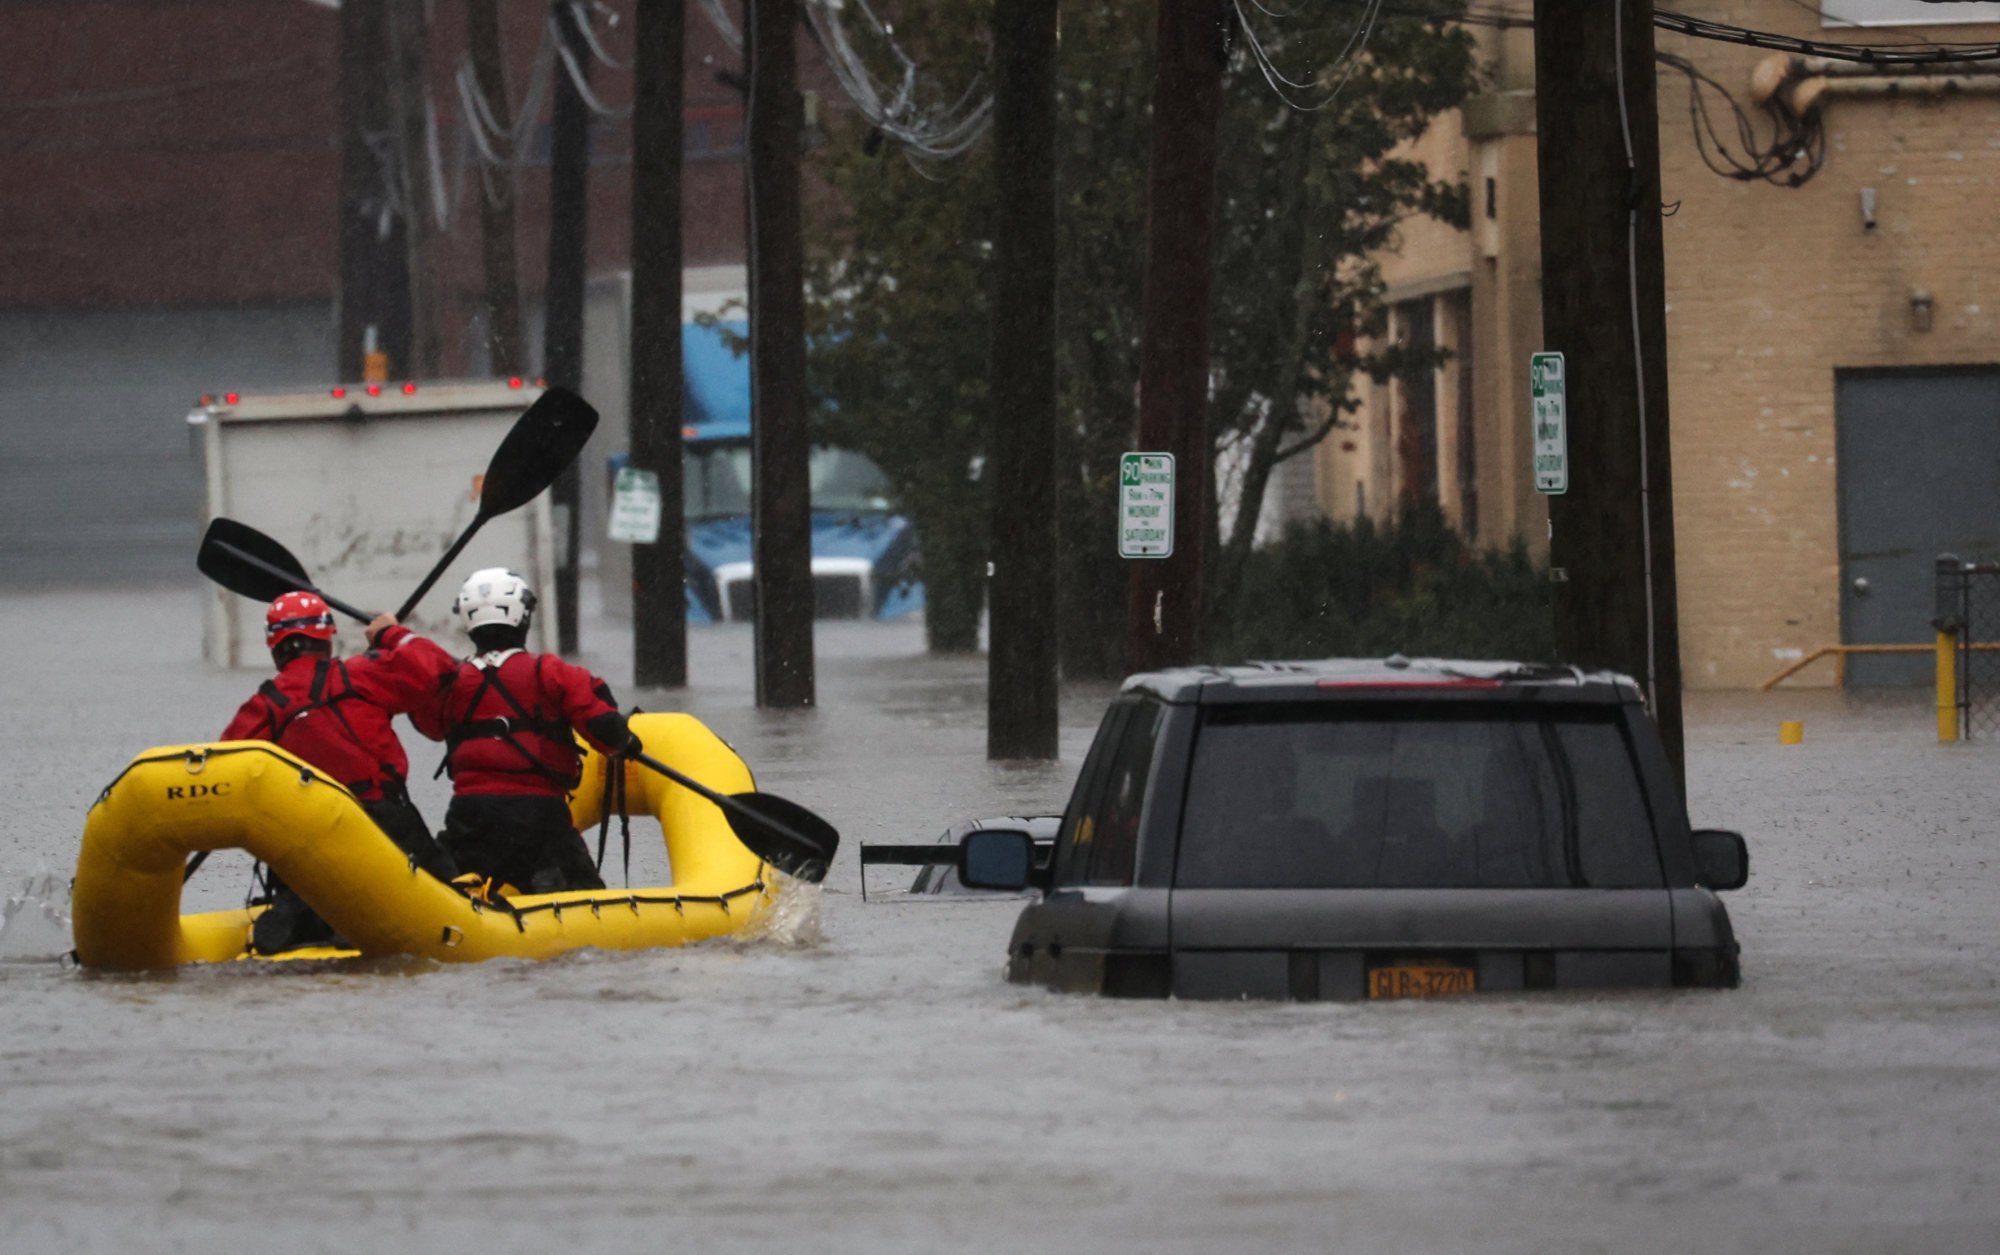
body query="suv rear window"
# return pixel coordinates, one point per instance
(1418, 796)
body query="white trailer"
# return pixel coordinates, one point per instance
(368, 485)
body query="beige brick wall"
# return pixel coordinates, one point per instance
(1770, 290)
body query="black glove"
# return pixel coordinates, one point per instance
(610, 729)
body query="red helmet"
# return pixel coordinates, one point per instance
(300, 614)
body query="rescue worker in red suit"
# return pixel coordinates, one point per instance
(334, 714)
(506, 717)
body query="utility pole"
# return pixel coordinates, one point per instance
(374, 269)
(1164, 595)
(659, 589)
(408, 36)
(562, 351)
(1611, 545)
(506, 347)
(780, 494)
(1021, 655)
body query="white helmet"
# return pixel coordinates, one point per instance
(494, 595)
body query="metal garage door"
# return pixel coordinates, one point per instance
(1919, 475)
(98, 476)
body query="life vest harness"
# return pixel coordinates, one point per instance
(317, 698)
(503, 728)
(614, 803)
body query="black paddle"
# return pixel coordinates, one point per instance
(782, 833)
(246, 561)
(544, 440)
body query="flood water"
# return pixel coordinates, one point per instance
(884, 1089)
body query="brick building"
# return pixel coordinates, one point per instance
(1834, 347)
(169, 175)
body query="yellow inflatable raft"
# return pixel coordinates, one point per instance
(249, 795)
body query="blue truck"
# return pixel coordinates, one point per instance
(864, 553)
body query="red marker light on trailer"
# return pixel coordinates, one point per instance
(229, 398)
(374, 389)
(205, 399)
(409, 389)
(514, 381)
(338, 393)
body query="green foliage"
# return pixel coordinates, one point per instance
(899, 324)
(1308, 200)
(1413, 587)
(900, 303)
(1104, 89)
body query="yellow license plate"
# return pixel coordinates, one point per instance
(1419, 980)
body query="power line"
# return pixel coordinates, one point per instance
(725, 26)
(1817, 11)
(1795, 138)
(924, 133)
(1349, 56)
(583, 26)
(1921, 52)
(1864, 54)
(896, 113)
(577, 77)
(162, 91)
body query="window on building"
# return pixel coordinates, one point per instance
(1458, 314)
(1417, 416)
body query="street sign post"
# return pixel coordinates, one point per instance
(1549, 380)
(635, 506)
(1146, 505)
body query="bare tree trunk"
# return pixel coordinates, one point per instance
(562, 331)
(506, 346)
(1267, 440)
(374, 266)
(659, 588)
(408, 39)
(1021, 658)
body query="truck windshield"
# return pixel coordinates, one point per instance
(1414, 796)
(716, 480)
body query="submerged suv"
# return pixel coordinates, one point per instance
(1370, 829)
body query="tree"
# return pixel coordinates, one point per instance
(899, 323)
(900, 304)
(1309, 199)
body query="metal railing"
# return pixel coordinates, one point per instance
(1840, 655)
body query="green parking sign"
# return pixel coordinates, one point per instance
(1548, 378)
(1146, 505)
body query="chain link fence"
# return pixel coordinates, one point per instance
(1968, 602)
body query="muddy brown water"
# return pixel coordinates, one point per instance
(884, 1089)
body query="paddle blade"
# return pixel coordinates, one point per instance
(543, 441)
(784, 834)
(240, 571)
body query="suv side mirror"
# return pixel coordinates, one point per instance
(996, 858)
(1721, 859)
